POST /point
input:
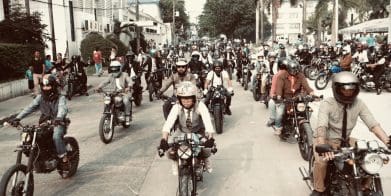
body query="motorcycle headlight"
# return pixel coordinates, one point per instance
(217, 94)
(373, 145)
(184, 152)
(300, 107)
(107, 100)
(245, 70)
(25, 137)
(372, 163)
(195, 76)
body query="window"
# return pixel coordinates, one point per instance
(294, 26)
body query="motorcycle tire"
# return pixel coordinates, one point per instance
(185, 180)
(305, 141)
(137, 99)
(312, 72)
(245, 83)
(321, 82)
(105, 136)
(218, 119)
(73, 153)
(70, 91)
(256, 92)
(151, 90)
(7, 179)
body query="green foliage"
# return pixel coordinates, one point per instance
(92, 41)
(121, 48)
(372, 9)
(15, 59)
(166, 7)
(22, 29)
(234, 18)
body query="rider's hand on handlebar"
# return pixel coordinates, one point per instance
(163, 144)
(15, 122)
(209, 143)
(328, 156)
(57, 121)
(205, 91)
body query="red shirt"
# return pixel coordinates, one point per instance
(97, 57)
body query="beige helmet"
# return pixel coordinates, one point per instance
(186, 89)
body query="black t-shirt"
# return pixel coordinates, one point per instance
(37, 65)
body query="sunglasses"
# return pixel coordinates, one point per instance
(181, 66)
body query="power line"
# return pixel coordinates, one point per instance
(85, 8)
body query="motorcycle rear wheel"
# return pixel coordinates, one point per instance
(106, 135)
(218, 119)
(73, 154)
(305, 142)
(6, 181)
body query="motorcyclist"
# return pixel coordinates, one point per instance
(282, 52)
(206, 58)
(265, 69)
(219, 77)
(119, 81)
(175, 79)
(131, 66)
(193, 117)
(77, 67)
(305, 56)
(361, 55)
(195, 65)
(377, 69)
(346, 60)
(229, 61)
(289, 84)
(53, 107)
(331, 53)
(334, 127)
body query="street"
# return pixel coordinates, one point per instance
(250, 159)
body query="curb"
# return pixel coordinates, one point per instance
(11, 116)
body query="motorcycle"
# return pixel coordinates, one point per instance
(137, 93)
(325, 75)
(168, 68)
(113, 115)
(200, 78)
(187, 148)
(74, 86)
(154, 83)
(296, 122)
(217, 106)
(351, 167)
(317, 65)
(38, 146)
(367, 80)
(246, 76)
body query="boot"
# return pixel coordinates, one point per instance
(228, 111)
(208, 165)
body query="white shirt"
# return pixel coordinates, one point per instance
(216, 80)
(362, 57)
(202, 110)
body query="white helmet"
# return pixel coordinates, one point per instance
(300, 47)
(115, 68)
(261, 54)
(186, 89)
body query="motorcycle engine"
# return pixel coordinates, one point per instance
(118, 101)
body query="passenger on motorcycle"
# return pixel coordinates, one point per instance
(53, 107)
(119, 81)
(337, 117)
(175, 80)
(77, 67)
(288, 85)
(193, 117)
(219, 77)
(377, 69)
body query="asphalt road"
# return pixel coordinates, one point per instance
(250, 159)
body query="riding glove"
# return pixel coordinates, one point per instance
(209, 143)
(163, 144)
(15, 122)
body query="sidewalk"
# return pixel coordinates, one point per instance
(9, 108)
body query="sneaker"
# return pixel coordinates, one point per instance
(270, 123)
(277, 131)
(208, 165)
(378, 91)
(174, 168)
(316, 193)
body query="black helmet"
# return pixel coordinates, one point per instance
(52, 93)
(282, 63)
(217, 63)
(345, 81)
(75, 58)
(293, 67)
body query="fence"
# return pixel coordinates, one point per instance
(13, 89)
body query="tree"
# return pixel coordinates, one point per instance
(372, 9)
(233, 18)
(23, 29)
(166, 7)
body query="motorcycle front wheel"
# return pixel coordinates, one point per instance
(106, 131)
(245, 79)
(185, 187)
(305, 141)
(70, 91)
(256, 92)
(13, 181)
(218, 118)
(151, 90)
(321, 82)
(73, 154)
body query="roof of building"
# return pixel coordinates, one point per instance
(148, 1)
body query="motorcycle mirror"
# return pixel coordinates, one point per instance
(321, 96)
(322, 148)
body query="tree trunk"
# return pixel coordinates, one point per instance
(333, 25)
(318, 32)
(304, 25)
(274, 19)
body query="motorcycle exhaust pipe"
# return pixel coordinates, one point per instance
(306, 177)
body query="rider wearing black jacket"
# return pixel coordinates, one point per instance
(77, 67)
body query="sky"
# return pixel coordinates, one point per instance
(194, 7)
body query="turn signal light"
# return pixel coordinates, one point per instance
(350, 161)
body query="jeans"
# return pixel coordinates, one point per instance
(37, 79)
(98, 69)
(277, 111)
(128, 105)
(58, 138)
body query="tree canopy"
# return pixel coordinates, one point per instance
(182, 20)
(236, 19)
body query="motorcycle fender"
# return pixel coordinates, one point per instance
(322, 73)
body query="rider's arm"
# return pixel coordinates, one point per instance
(305, 84)
(31, 108)
(172, 116)
(167, 83)
(323, 123)
(204, 112)
(128, 81)
(104, 83)
(62, 107)
(208, 79)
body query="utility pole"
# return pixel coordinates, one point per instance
(389, 23)
(173, 23)
(334, 31)
(304, 25)
(27, 4)
(257, 24)
(137, 28)
(50, 6)
(262, 21)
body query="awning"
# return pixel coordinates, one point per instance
(371, 26)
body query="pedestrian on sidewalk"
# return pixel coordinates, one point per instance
(38, 65)
(97, 57)
(30, 80)
(48, 64)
